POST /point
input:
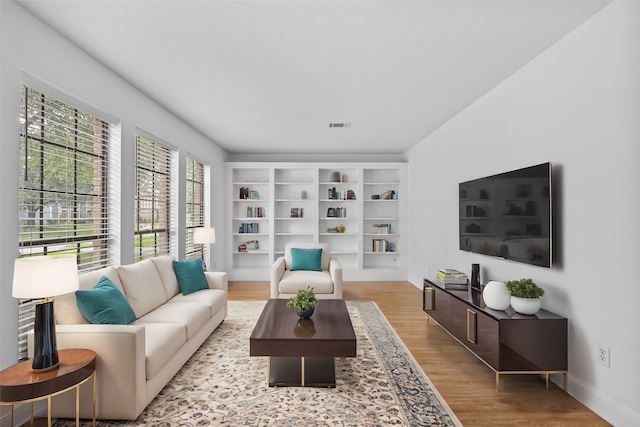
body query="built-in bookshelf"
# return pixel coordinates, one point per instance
(295, 207)
(356, 208)
(381, 218)
(250, 215)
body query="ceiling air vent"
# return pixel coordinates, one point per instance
(339, 125)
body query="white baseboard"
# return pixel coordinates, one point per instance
(604, 405)
(22, 413)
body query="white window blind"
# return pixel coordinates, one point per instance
(154, 208)
(64, 189)
(196, 205)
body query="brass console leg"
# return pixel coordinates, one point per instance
(48, 411)
(77, 406)
(546, 381)
(302, 372)
(497, 381)
(95, 387)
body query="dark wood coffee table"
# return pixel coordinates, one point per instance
(302, 352)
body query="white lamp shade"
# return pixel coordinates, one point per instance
(44, 276)
(204, 235)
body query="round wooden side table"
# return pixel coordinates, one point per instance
(18, 384)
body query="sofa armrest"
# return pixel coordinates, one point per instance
(120, 367)
(335, 271)
(277, 271)
(217, 280)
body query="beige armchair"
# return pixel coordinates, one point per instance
(327, 283)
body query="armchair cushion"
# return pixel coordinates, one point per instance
(292, 281)
(306, 259)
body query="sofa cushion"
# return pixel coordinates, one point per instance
(292, 281)
(326, 254)
(191, 315)
(65, 306)
(142, 286)
(190, 275)
(105, 304)
(214, 298)
(167, 275)
(306, 259)
(161, 342)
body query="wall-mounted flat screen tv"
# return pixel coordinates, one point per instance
(509, 215)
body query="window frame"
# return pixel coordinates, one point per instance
(159, 197)
(60, 140)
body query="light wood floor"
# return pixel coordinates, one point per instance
(466, 383)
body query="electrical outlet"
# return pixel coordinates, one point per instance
(603, 354)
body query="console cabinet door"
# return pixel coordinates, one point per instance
(441, 308)
(488, 344)
(458, 326)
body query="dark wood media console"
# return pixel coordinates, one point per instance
(507, 342)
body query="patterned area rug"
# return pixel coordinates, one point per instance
(222, 386)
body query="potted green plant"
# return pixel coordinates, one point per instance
(525, 295)
(304, 302)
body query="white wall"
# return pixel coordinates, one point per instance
(29, 46)
(578, 106)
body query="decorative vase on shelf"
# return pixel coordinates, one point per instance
(496, 295)
(525, 305)
(525, 295)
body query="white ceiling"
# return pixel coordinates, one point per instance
(269, 76)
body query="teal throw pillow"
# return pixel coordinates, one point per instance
(105, 304)
(190, 275)
(306, 259)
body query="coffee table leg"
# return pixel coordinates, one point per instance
(302, 371)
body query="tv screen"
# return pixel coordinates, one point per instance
(509, 215)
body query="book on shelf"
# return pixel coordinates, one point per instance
(252, 245)
(452, 277)
(381, 228)
(380, 245)
(255, 212)
(297, 213)
(249, 228)
(453, 286)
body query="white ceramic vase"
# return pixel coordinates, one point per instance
(525, 305)
(496, 295)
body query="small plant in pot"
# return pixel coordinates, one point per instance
(304, 302)
(525, 295)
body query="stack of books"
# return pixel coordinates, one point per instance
(452, 279)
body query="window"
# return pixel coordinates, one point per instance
(64, 189)
(154, 199)
(196, 205)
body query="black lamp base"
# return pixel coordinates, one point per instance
(45, 352)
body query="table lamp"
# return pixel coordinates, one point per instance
(204, 236)
(44, 277)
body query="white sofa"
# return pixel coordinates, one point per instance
(327, 283)
(135, 361)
